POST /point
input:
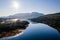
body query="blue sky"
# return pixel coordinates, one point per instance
(28, 6)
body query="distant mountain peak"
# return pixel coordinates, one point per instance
(34, 12)
(26, 15)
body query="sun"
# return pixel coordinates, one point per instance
(15, 4)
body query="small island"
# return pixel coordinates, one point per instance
(12, 27)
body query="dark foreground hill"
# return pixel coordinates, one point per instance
(52, 20)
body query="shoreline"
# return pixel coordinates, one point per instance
(11, 34)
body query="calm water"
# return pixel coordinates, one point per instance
(37, 31)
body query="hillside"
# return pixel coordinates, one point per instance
(52, 20)
(12, 28)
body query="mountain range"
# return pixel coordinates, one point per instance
(26, 15)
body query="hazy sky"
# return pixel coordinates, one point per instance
(10, 7)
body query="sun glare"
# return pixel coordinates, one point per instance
(15, 5)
